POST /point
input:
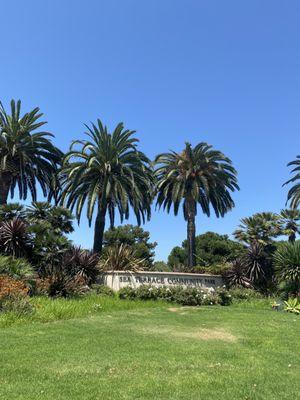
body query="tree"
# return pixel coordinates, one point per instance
(294, 193)
(291, 223)
(261, 228)
(135, 237)
(58, 218)
(210, 249)
(196, 176)
(27, 157)
(107, 172)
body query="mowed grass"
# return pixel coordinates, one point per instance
(104, 348)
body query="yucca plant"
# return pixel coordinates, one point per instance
(27, 157)
(287, 263)
(121, 257)
(14, 238)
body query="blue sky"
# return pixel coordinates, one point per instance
(224, 72)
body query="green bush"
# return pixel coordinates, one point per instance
(16, 268)
(103, 290)
(176, 294)
(241, 294)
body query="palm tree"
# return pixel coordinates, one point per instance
(291, 221)
(110, 173)
(260, 228)
(294, 192)
(25, 157)
(198, 175)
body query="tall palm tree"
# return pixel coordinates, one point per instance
(198, 175)
(294, 192)
(260, 228)
(109, 173)
(26, 157)
(291, 222)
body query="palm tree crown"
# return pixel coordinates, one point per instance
(198, 175)
(108, 172)
(294, 192)
(25, 157)
(291, 223)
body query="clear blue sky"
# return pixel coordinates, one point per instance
(224, 72)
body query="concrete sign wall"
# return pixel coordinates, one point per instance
(118, 279)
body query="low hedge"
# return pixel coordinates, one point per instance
(177, 294)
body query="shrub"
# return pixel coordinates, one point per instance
(121, 257)
(102, 290)
(17, 268)
(287, 264)
(14, 296)
(14, 238)
(176, 294)
(241, 294)
(80, 263)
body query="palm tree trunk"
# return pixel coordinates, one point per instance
(99, 226)
(191, 234)
(5, 181)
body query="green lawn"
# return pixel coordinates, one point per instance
(112, 349)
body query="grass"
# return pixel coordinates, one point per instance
(104, 348)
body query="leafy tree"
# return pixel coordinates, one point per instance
(196, 176)
(294, 192)
(261, 228)
(211, 249)
(107, 172)
(58, 218)
(27, 157)
(135, 237)
(160, 266)
(291, 223)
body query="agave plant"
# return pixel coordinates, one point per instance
(120, 257)
(237, 274)
(287, 263)
(80, 263)
(14, 238)
(292, 306)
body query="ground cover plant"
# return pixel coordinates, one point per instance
(103, 347)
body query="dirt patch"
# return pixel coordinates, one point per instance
(174, 309)
(194, 334)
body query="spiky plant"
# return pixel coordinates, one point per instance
(287, 263)
(107, 173)
(294, 193)
(27, 157)
(81, 263)
(14, 238)
(198, 176)
(121, 257)
(236, 275)
(291, 223)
